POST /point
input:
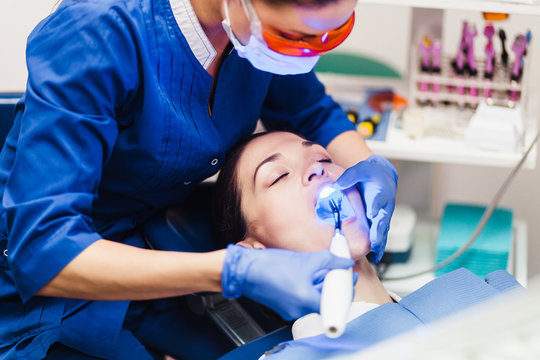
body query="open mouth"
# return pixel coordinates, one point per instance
(328, 201)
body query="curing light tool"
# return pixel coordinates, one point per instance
(333, 207)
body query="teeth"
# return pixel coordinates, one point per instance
(324, 210)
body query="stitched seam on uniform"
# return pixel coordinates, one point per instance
(181, 171)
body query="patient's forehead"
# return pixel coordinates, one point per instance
(259, 149)
(272, 141)
(263, 146)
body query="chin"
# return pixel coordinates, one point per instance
(359, 252)
(358, 243)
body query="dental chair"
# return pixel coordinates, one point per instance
(187, 227)
(7, 114)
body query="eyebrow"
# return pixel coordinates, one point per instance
(276, 156)
(271, 158)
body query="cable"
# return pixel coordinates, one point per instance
(483, 220)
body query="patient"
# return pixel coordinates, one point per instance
(266, 195)
(267, 192)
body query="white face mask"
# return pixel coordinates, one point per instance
(257, 52)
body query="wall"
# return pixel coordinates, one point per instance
(17, 19)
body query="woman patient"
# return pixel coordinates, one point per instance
(267, 190)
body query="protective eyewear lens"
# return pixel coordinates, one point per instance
(308, 46)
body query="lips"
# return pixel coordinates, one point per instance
(317, 190)
(328, 196)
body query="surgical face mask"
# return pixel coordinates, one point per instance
(257, 52)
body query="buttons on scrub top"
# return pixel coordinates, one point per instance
(214, 162)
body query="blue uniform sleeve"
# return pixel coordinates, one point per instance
(298, 103)
(82, 69)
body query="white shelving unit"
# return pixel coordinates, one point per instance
(433, 148)
(445, 150)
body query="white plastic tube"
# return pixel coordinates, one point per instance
(337, 291)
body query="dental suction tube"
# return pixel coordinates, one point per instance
(337, 288)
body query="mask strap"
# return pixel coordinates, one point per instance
(227, 18)
(254, 22)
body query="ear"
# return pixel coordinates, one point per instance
(251, 242)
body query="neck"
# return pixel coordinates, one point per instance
(210, 15)
(368, 287)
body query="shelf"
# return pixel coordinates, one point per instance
(509, 6)
(423, 257)
(399, 146)
(430, 148)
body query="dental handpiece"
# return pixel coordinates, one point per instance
(337, 291)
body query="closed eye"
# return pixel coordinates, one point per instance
(279, 178)
(325, 161)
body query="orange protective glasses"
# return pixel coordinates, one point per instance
(308, 46)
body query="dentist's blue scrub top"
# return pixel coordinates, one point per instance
(115, 125)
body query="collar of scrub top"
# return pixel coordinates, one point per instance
(192, 30)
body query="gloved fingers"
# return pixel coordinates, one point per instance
(382, 163)
(319, 286)
(353, 175)
(329, 261)
(374, 198)
(312, 302)
(378, 196)
(378, 234)
(318, 276)
(373, 167)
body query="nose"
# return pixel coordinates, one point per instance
(314, 172)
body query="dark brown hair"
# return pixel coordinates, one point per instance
(228, 220)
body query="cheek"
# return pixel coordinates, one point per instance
(291, 224)
(334, 171)
(357, 232)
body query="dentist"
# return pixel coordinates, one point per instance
(129, 104)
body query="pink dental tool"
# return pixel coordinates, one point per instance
(425, 49)
(489, 32)
(518, 47)
(436, 50)
(488, 73)
(471, 60)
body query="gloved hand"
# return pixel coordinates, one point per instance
(376, 179)
(288, 282)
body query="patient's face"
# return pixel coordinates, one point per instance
(280, 176)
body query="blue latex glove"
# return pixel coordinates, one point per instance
(376, 179)
(288, 282)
